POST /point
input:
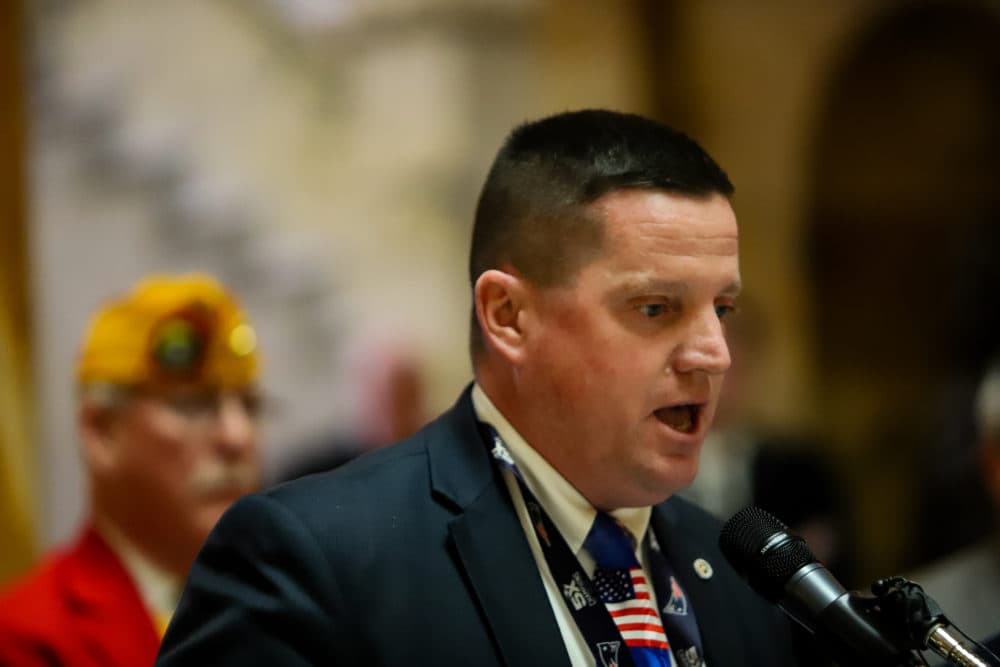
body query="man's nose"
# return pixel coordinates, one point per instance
(236, 429)
(704, 348)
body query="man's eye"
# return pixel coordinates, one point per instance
(193, 406)
(652, 309)
(253, 404)
(721, 311)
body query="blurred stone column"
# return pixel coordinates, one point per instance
(420, 96)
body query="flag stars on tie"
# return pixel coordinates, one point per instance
(614, 585)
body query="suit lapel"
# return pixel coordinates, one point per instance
(491, 544)
(503, 573)
(706, 596)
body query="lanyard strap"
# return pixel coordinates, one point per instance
(676, 614)
(599, 630)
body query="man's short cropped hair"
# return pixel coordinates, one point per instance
(532, 212)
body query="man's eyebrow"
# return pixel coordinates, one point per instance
(640, 284)
(732, 289)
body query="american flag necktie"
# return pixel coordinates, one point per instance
(622, 587)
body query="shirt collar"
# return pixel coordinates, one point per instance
(572, 514)
(159, 590)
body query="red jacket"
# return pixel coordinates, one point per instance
(78, 608)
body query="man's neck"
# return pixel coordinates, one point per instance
(158, 586)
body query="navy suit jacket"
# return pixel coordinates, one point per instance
(414, 555)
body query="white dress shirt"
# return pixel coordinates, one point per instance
(159, 590)
(571, 513)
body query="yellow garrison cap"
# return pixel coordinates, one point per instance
(183, 329)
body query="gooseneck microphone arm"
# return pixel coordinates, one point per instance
(886, 629)
(957, 648)
(925, 624)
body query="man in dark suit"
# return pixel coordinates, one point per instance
(534, 523)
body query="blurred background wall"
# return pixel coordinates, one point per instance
(322, 157)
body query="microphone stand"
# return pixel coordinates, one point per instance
(920, 624)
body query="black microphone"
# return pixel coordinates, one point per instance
(857, 629)
(780, 567)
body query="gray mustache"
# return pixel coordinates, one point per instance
(225, 478)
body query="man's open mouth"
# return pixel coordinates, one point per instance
(682, 418)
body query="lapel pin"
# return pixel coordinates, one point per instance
(703, 568)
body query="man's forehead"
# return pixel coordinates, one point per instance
(656, 215)
(640, 201)
(669, 238)
(170, 390)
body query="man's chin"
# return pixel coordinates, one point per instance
(211, 512)
(678, 477)
(648, 492)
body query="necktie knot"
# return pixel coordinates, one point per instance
(610, 543)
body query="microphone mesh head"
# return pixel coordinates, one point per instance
(743, 540)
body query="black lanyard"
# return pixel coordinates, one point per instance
(677, 616)
(599, 630)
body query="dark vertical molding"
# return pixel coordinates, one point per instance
(664, 51)
(13, 256)
(16, 464)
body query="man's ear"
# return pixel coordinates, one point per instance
(500, 298)
(97, 426)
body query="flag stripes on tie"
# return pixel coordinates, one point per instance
(621, 585)
(625, 593)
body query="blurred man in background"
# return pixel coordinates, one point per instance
(167, 382)
(967, 584)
